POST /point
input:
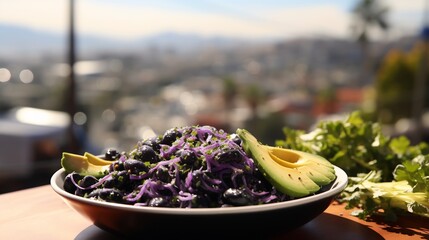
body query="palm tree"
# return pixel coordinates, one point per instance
(368, 15)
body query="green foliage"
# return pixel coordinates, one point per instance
(395, 83)
(415, 172)
(394, 86)
(384, 173)
(355, 145)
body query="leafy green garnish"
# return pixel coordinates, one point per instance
(387, 175)
(384, 198)
(415, 172)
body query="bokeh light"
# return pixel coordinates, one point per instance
(108, 115)
(4, 75)
(26, 76)
(79, 118)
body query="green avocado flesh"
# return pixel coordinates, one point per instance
(77, 163)
(292, 172)
(96, 160)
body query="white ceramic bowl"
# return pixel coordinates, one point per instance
(243, 220)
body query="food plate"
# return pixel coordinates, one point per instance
(263, 219)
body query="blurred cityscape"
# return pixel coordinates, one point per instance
(129, 90)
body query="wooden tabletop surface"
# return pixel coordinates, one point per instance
(39, 213)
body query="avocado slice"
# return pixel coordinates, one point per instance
(77, 163)
(96, 160)
(292, 172)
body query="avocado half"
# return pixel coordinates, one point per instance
(292, 172)
(87, 164)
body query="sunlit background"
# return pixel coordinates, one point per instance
(142, 67)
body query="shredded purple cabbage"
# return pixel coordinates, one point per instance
(187, 167)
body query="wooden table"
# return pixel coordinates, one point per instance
(39, 213)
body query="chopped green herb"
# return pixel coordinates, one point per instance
(377, 165)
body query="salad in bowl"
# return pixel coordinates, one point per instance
(198, 174)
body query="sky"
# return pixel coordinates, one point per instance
(130, 19)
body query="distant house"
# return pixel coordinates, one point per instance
(349, 98)
(343, 100)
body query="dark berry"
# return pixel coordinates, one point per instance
(158, 202)
(229, 156)
(170, 136)
(186, 156)
(236, 197)
(69, 186)
(117, 166)
(88, 181)
(134, 166)
(163, 174)
(111, 154)
(153, 143)
(146, 153)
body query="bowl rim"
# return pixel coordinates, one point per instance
(338, 186)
